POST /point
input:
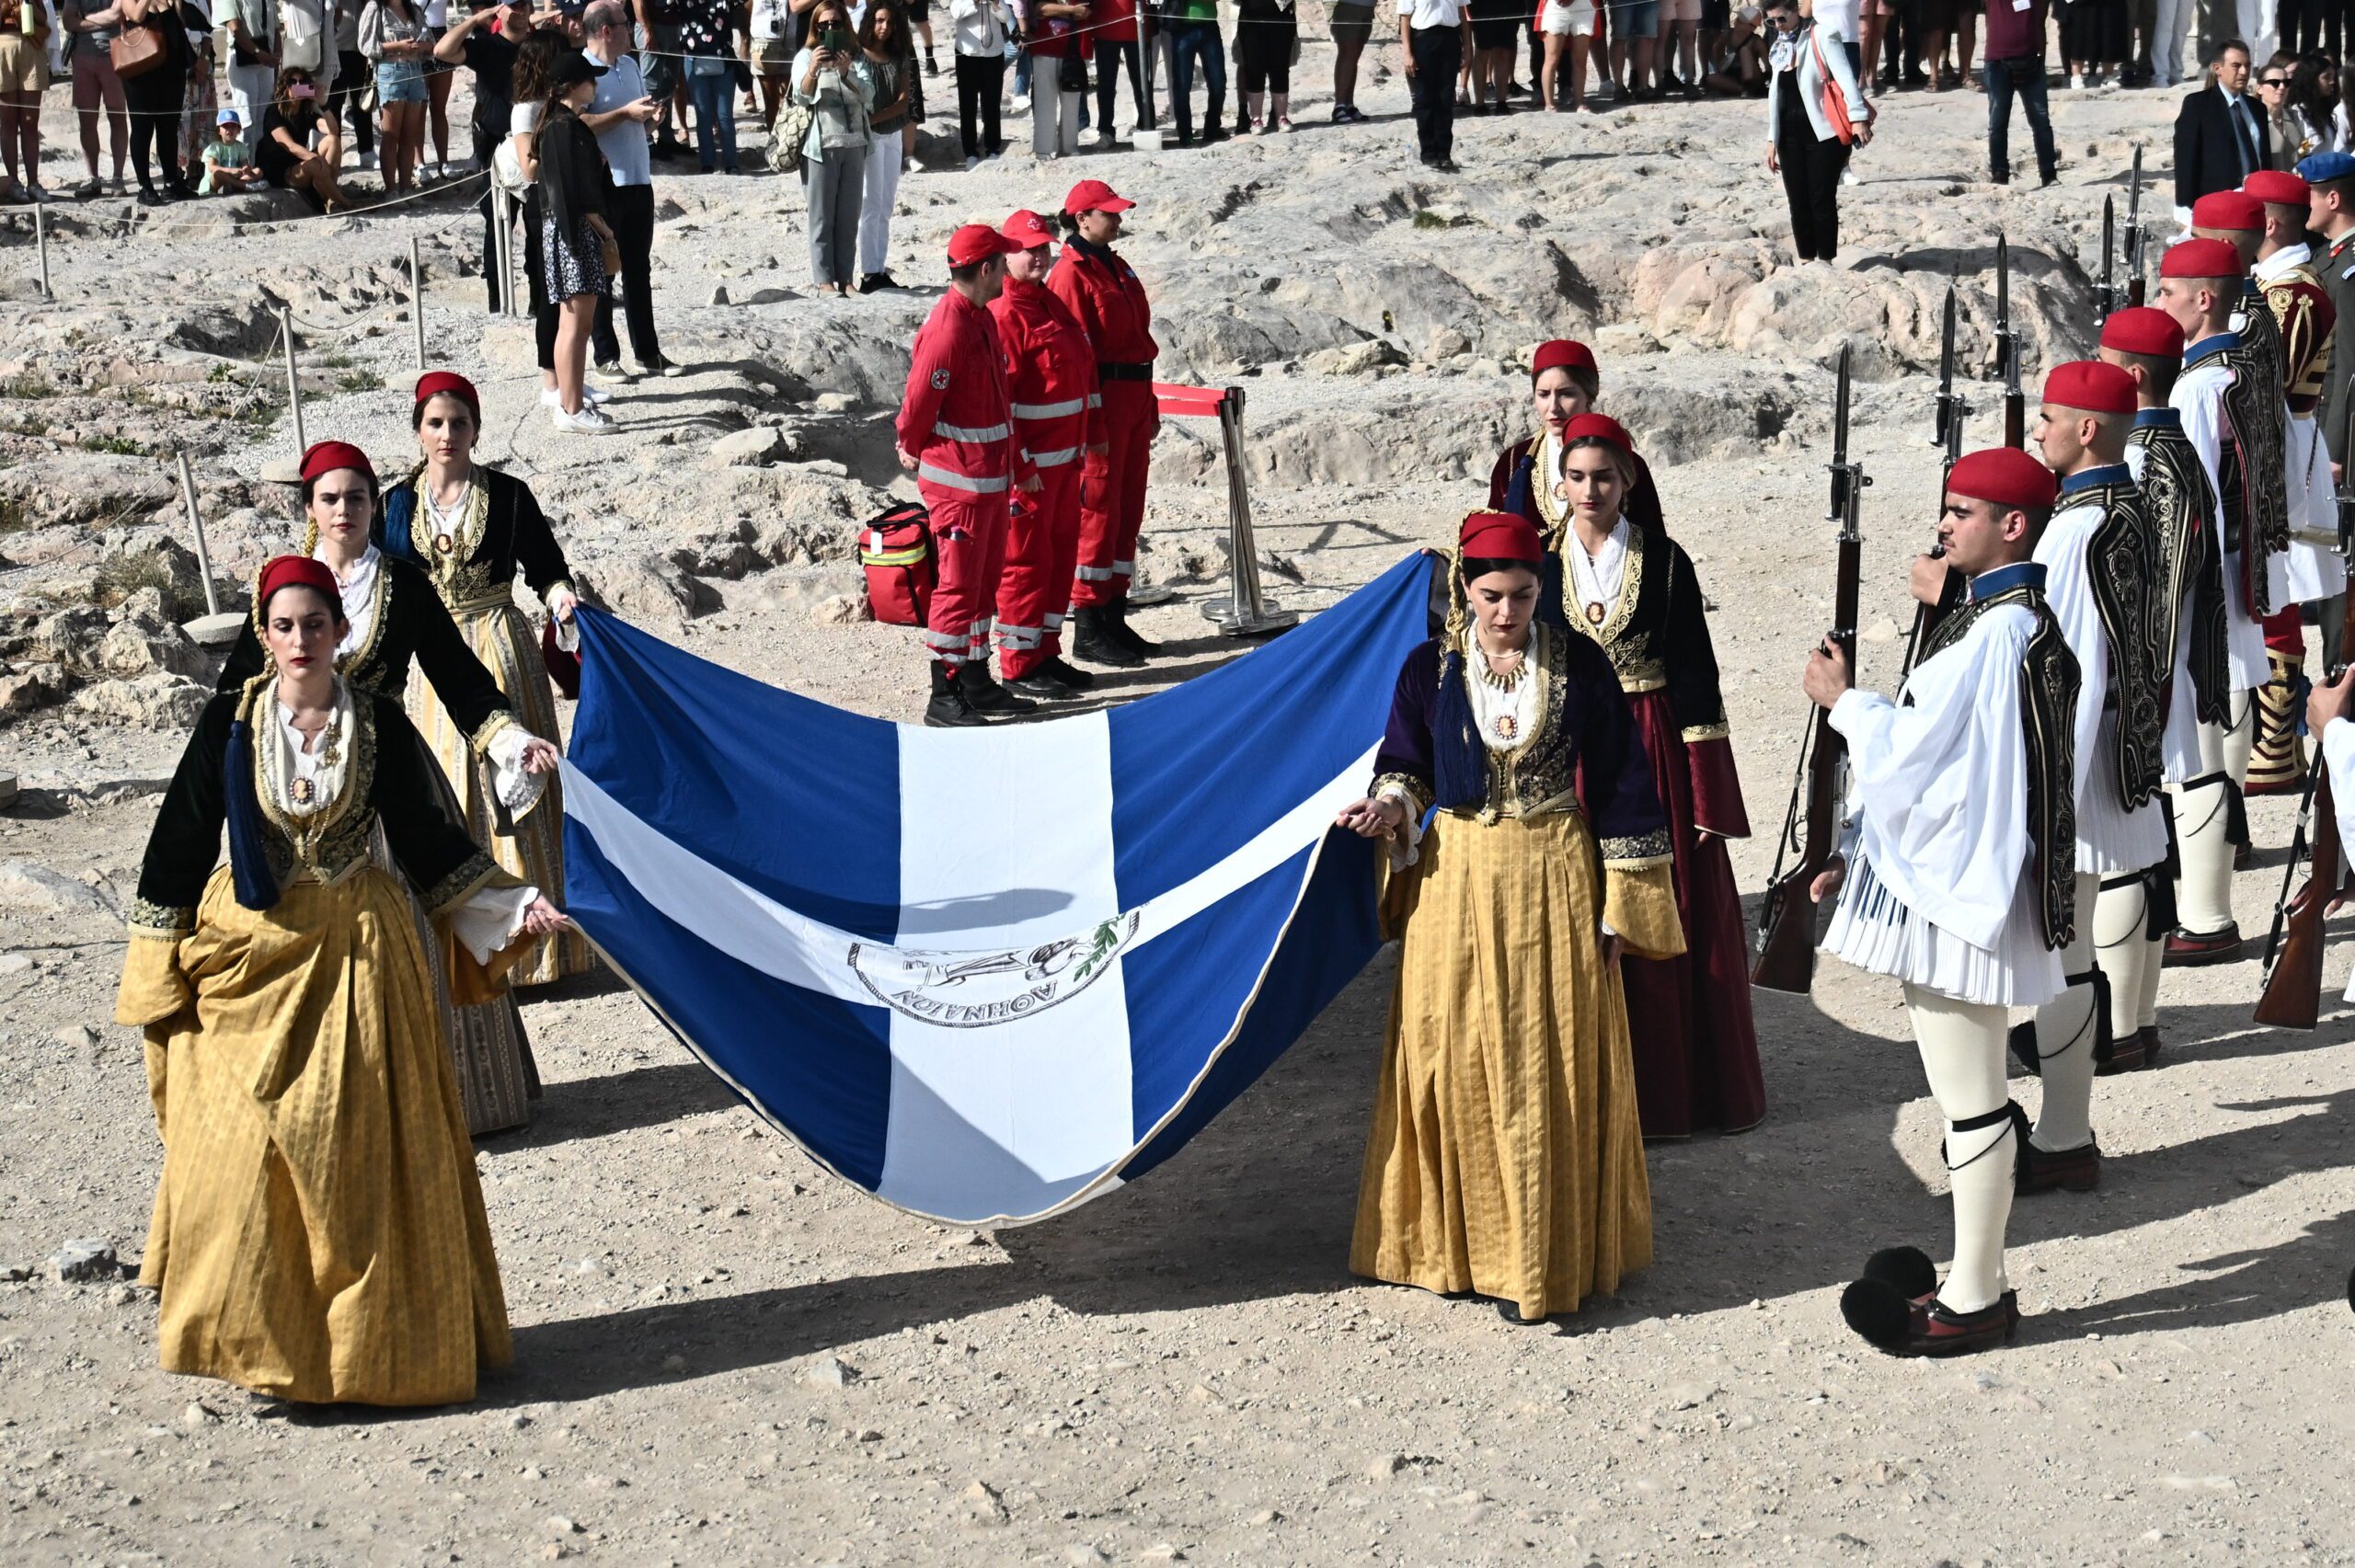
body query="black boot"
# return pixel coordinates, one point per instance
(948, 709)
(1044, 682)
(1128, 636)
(1095, 639)
(987, 696)
(1077, 679)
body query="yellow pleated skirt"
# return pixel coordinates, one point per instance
(1506, 1157)
(318, 1233)
(503, 639)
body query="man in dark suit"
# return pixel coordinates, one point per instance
(2221, 136)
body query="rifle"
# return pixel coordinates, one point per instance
(2105, 293)
(1952, 411)
(1786, 923)
(2134, 236)
(2292, 993)
(2008, 348)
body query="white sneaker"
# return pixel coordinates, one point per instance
(591, 421)
(971, 164)
(591, 396)
(1021, 105)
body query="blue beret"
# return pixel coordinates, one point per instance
(2323, 167)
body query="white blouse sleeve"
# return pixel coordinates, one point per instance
(487, 919)
(1406, 844)
(518, 791)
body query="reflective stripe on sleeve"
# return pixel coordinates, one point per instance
(1053, 459)
(971, 432)
(1049, 410)
(972, 484)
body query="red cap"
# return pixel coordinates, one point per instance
(2094, 385)
(436, 384)
(2143, 329)
(2277, 187)
(1095, 196)
(1600, 426)
(978, 242)
(1027, 230)
(2005, 475)
(326, 457)
(295, 571)
(2202, 258)
(2230, 209)
(1500, 536)
(1560, 354)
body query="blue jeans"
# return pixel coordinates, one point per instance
(714, 96)
(1189, 42)
(2026, 77)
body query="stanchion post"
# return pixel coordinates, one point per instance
(196, 525)
(1244, 612)
(417, 299)
(40, 242)
(294, 387)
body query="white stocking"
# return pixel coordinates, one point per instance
(2067, 1028)
(2203, 890)
(2127, 956)
(1962, 1053)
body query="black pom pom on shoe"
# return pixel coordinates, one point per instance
(1906, 1270)
(1876, 1310)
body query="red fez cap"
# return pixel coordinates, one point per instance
(2277, 187)
(296, 571)
(1560, 353)
(436, 384)
(1602, 427)
(326, 457)
(2202, 258)
(1027, 230)
(1095, 196)
(1500, 536)
(978, 242)
(2005, 475)
(2227, 210)
(2094, 385)
(2143, 329)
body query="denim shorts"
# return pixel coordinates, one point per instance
(1636, 18)
(403, 81)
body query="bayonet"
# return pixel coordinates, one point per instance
(2007, 348)
(2105, 296)
(2134, 233)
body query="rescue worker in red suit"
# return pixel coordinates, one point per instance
(1110, 305)
(1563, 383)
(1058, 415)
(956, 435)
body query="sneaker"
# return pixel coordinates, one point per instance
(90, 189)
(591, 421)
(931, 66)
(1108, 139)
(1021, 104)
(973, 163)
(591, 397)
(610, 368)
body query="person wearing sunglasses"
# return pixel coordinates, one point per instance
(2273, 102)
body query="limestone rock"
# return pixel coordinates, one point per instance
(27, 884)
(81, 1261)
(1357, 359)
(980, 1505)
(749, 449)
(158, 701)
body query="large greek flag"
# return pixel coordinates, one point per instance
(985, 973)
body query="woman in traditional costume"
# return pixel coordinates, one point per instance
(1634, 591)
(468, 528)
(394, 619)
(1506, 1159)
(318, 1233)
(1563, 384)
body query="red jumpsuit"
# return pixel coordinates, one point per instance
(956, 421)
(1051, 374)
(1110, 305)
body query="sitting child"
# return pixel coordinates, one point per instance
(228, 164)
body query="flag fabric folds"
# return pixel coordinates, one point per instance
(986, 974)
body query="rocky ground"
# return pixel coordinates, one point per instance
(723, 1353)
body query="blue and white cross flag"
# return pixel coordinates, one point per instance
(986, 974)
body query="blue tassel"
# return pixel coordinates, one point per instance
(248, 864)
(1517, 492)
(393, 535)
(1459, 757)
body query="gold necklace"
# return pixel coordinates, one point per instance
(1507, 723)
(304, 789)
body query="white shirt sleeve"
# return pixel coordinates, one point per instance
(488, 918)
(518, 791)
(2068, 590)
(1942, 784)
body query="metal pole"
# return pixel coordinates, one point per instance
(196, 523)
(417, 299)
(502, 222)
(41, 241)
(293, 388)
(1244, 612)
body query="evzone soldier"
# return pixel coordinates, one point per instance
(2316, 573)
(956, 435)
(2223, 397)
(1564, 382)
(2136, 913)
(1058, 413)
(2103, 585)
(2330, 212)
(1959, 877)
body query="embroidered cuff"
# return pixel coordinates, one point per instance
(1697, 733)
(167, 922)
(561, 585)
(501, 721)
(1654, 847)
(1408, 790)
(471, 874)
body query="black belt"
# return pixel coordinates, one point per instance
(1124, 372)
